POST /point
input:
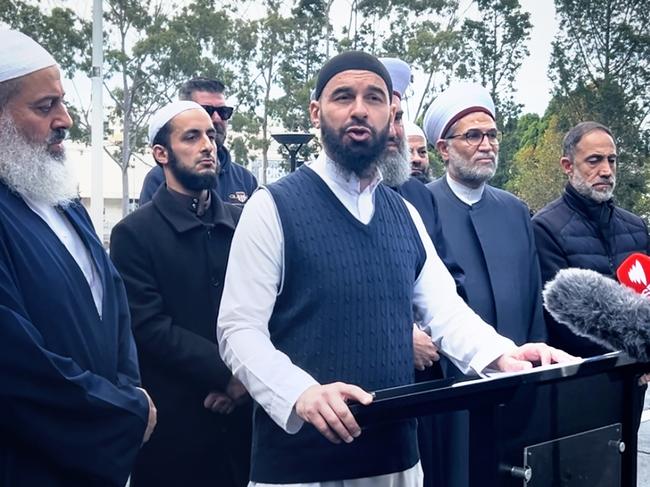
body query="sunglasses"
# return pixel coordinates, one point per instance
(224, 112)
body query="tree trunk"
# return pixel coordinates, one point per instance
(125, 190)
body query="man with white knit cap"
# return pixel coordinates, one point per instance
(417, 142)
(172, 255)
(72, 411)
(489, 230)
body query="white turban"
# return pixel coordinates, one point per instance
(412, 130)
(453, 104)
(166, 113)
(21, 55)
(400, 74)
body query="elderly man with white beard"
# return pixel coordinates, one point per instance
(489, 230)
(71, 413)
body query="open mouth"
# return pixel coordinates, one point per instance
(358, 133)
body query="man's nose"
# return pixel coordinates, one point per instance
(485, 145)
(605, 170)
(61, 119)
(207, 145)
(360, 110)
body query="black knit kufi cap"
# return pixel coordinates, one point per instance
(346, 61)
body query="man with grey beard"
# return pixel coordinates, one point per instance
(489, 230)
(72, 411)
(583, 227)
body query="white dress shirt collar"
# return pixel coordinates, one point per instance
(346, 186)
(467, 195)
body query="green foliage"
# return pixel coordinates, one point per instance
(601, 69)
(494, 49)
(537, 176)
(61, 32)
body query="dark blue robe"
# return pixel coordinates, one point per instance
(494, 244)
(70, 413)
(494, 237)
(417, 194)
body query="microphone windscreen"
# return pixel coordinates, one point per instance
(634, 272)
(601, 309)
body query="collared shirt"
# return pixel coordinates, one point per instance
(467, 195)
(197, 206)
(255, 269)
(69, 237)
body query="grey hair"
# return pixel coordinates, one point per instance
(575, 135)
(8, 90)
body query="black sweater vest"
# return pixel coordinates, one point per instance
(344, 314)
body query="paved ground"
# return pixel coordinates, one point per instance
(643, 465)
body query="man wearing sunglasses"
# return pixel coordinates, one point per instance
(235, 183)
(489, 230)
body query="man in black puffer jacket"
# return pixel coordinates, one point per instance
(584, 228)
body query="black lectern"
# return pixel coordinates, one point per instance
(564, 426)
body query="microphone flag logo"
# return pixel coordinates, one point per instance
(634, 272)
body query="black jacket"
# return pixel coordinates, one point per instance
(235, 183)
(574, 231)
(173, 265)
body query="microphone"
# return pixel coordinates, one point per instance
(599, 308)
(633, 273)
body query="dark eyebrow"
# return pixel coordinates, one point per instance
(601, 155)
(52, 98)
(377, 89)
(342, 90)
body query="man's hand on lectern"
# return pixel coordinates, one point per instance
(524, 357)
(425, 353)
(325, 407)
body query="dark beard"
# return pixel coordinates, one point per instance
(188, 179)
(356, 157)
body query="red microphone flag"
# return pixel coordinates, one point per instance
(634, 272)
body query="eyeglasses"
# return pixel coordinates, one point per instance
(475, 137)
(224, 112)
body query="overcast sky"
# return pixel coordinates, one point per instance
(532, 85)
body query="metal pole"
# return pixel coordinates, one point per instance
(97, 129)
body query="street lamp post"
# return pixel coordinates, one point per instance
(293, 142)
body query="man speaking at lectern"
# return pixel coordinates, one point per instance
(326, 268)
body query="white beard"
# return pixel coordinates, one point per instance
(395, 167)
(31, 171)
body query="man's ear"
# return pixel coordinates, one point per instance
(160, 154)
(443, 149)
(567, 165)
(314, 113)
